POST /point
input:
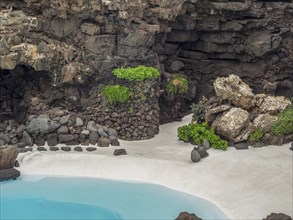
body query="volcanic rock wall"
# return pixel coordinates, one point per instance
(79, 42)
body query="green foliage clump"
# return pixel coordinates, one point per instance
(256, 136)
(284, 123)
(199, 132)
(138, 73)
(178, 85)
(117, 94)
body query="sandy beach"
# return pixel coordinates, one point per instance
(245, 184)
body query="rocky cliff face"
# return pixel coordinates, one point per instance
(77, 43)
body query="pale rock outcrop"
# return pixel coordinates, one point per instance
(8, 154)
(264, 122)
(234, 124)
(211, 114)
(233, 89)
(245, 112)
(271, 104)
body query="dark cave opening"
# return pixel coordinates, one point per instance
(19, 88)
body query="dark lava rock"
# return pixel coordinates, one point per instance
(94, 136)
(195, 156)
(9, 174)
(63, 138)
(52, 139)
(16, 164)
(115, 142)
(241, 146)
(5, 138)
(278, 216)
(52, 148)
(112, 132)
(66, 148)
(24, 150)
(26, 139)
(277, 140)
(40, 141)
(41, 149)
(20, 130)
(62, 130)
(90, 149)
(102, 132)
(118, 152)
(187, 216)
(21, 145)
(78, 149)
(267, 138)
(42, 124)
(203, 152)
(104, 142)
(258, 144)
(288, 138)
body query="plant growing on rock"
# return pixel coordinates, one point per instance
(284, 123)
(117, 94)
(138, 73)
(177, 85)
(256, 136)
(199, 132)
(198, 111)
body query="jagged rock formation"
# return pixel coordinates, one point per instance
(69, 49)
(187, 216)
(240, 112)
(278, 216)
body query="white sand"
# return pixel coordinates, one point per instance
(245, 184)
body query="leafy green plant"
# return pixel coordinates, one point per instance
(138, 73)
(177, 85)
(117, 94)
(256, 136)
(284, 123)
(199, 132)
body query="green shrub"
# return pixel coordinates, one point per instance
(255, 136)
(284, 123)
(178, 85)
(199, 132)
(117, 94)
(138, 73)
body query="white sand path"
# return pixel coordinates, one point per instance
(245, 184)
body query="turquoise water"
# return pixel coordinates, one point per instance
(90, 198)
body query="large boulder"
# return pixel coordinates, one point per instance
(233, 89)
(9, 174)
(42, 125)
(234, 125)
(195, 156)
(211, 114)
(271, 104)
(264, 122)
(8, 156)
(187, 216)
(278, 216)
